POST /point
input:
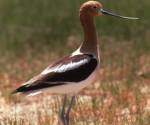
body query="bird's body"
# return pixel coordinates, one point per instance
(67, 76)
(76, 71)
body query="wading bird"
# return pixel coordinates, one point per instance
(74, 72)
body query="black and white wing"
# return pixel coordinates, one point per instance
(71, 69)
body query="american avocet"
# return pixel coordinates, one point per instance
(76, 71)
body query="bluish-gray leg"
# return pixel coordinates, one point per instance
(69, 109)
(65, 115)
(62, 113)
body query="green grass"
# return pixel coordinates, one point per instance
(26, 24)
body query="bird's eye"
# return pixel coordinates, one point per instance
(94, 7)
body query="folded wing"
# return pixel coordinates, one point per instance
(71, 69)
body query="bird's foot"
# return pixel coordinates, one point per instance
(64, 118)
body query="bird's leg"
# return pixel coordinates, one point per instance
(65, 115)
(69, 109)
(62, 113)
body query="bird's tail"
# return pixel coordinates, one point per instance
(21, 89)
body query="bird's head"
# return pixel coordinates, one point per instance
(95, 8)
(91, 8)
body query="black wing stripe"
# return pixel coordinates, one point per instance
(36, 86)
(76, 74)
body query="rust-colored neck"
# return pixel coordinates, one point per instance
(89, 44)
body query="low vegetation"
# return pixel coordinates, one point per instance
(35, 33)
